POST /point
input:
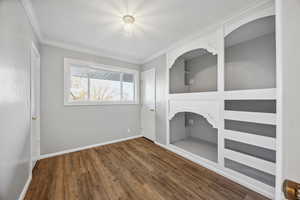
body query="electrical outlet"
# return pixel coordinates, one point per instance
(128, 130)
(191, 82)
(191, 122)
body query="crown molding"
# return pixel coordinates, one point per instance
(95, 52)
(32, 18)
(209, 28)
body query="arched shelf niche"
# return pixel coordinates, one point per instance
(268, 11)
(175, 55)
(192, 132)
(193, 70)
(250, 55)
(209, 118)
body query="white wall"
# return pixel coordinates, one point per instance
(16, 36)
(68, 127)
(159, 64)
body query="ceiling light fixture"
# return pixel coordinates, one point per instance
(128, 21)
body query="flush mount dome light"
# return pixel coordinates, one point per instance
(128, 19)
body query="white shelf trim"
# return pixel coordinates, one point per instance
(256, 117)
(208, 109)
(252, 183)
(259, 94)
(257, 140)
(251, 161)
(195, 96)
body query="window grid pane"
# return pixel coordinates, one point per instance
(100, 85)
(105, 85)
(79, 84)
(128, 87)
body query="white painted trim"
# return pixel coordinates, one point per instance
(195, 96)
(256, 140)
(266, 94)
(87, 147)
(256, 117)
(25, 188)
(279, 95)
(67, 65)
(248, 182)
(209, 109)
(32, 18)
(221, 87)
(34, 52)
(96, 52)
(251, 161)
(209, 42)
(167, 91)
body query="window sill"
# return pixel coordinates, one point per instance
(90, 103)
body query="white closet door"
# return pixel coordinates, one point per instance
(35, 105)
(148, 104)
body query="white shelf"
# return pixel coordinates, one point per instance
(251, 161)
(257, 94)
(257, 140)
(199, 147)
(253, 183)
(195, 96)
(255, 117)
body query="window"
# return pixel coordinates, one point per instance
(93, 84)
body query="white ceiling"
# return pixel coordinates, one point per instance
(96, 25)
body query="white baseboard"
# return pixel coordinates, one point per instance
(224, 172)
(87, 147)
(25, 188)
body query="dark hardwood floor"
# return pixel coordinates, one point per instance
(134, 169)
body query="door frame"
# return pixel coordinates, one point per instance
(151, 69)
(34, 54)
(279, 108)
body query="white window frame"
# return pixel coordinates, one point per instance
(67, 82)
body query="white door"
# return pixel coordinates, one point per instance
(288, 39)
(148, 104)
(35, 105)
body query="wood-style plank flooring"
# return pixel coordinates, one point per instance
(134, 170)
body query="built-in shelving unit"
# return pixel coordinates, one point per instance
(222, 100)
(250, 101)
